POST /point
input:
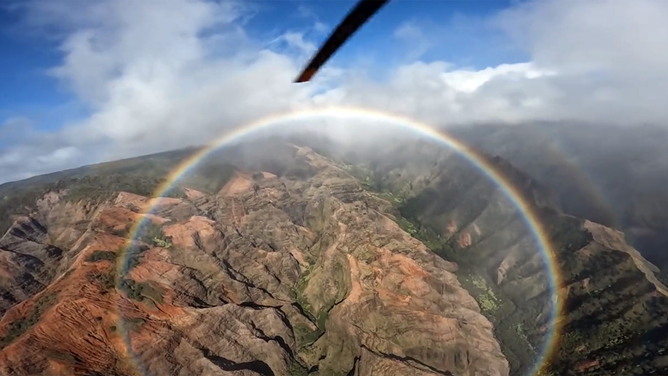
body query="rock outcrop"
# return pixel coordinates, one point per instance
(304, 263)
(614, 319)
(295, 274)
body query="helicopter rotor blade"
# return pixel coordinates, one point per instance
(360, 14)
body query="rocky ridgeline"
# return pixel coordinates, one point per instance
(302, 264)
(614, 320)
(306, 273)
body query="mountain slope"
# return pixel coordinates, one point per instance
(607, 174)
(271, 275)
(614, 306)
(288, 264)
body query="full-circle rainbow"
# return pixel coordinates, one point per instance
(352, 113)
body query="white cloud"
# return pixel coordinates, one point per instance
(469, 81)
(295, 41)
(597, 61)
(318, 25)
(138, 39)
(580, 36)
(59, 156)
(156, 84)
(39, 155)
(158, 78)
(12, 128)
(414, 38)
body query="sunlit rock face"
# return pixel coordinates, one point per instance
(612, 319)
(275, 259)
(292, 270)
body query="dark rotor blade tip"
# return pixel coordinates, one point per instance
(306, 75)
(357, 17)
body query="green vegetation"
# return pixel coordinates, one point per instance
(101, 256)
(297, 369)
(210, 176)
(151, 233)
(101, 182)
(21, 197)
(105, 281)
(373, 179)
(510, 323)
(141, 291)
(163, 243)
(606, 322)
(146, 292)
(433, 241)
(134, 254)
(482, 292)
(363, 174)
(521, 332)
(18, 327)
(301, 300)
(407, 226)
(303, 334)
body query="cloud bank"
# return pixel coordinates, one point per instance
(158, 78)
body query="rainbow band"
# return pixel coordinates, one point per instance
(471, 155)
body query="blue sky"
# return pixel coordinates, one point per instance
(29, 91)
(89, 81)
(26, 90)
(470, 43)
